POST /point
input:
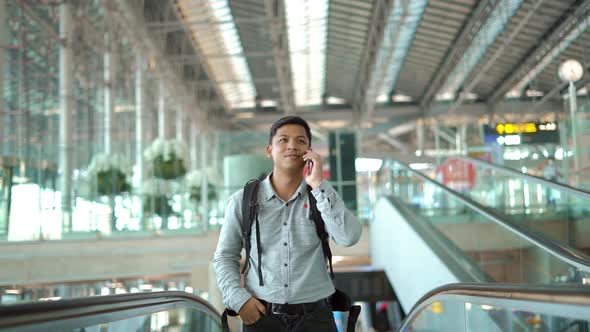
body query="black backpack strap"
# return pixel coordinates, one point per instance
(353, 315)
(249, 214)
(320, 229)
(224, 323)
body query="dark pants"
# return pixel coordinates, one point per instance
(319, 318)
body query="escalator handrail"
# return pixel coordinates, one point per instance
(23, 314)
(509, 171)
(556, 294)
(569, 255)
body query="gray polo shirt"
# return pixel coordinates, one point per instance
(293, 264)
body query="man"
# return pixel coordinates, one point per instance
(293, 293)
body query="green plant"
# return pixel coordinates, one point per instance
(168, 169)
(111, 182)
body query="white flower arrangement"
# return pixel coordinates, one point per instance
(104, 162)
(193, 179)
(165, 148)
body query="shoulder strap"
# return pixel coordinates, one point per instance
(320, 229)
(249, 212)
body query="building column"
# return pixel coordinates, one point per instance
(194, 144)
(109, 93)
(3, 43)
(66, 65)
(180, 124)
(420, 135)
(140, 64)
(204, 182)
(161, 111)
(437, 143)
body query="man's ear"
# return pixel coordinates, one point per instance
(269, 151)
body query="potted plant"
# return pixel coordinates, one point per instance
(166, 158)
(194, 181)
(109, 173)
(156, 200)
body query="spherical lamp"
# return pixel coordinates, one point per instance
(571, 71)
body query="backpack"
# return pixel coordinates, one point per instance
(339, 300)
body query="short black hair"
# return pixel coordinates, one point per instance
(291, 119)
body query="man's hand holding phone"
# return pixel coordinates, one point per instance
(314, 175)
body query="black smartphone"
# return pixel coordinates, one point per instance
(309, 166)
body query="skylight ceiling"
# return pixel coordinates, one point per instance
(306, 22)
(214, 31)
(396, 43)
(485, 38)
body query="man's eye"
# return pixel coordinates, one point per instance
(301, 141)
(282, 140)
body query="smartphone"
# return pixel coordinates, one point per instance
(309, 167)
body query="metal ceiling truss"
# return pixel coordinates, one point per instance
(553, 38)
(461, 43)
(275, 11)
(496, 55)
(381, 8)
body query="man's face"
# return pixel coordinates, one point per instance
(288, 146)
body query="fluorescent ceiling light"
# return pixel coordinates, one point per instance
(513, 94)
(306, 22)
(486, 36)
(382, 98)
(333, 124)
(268, 103)
(534, 93)
(367, 164)
(401, 98)
(220, 38)
(245, 115)
(445, 96)
(469, 95)
(335, 101)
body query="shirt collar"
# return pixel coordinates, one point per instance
(268, 191)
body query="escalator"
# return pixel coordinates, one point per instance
(515, 308)
(425, 235)
(156, 311)
(556, 210)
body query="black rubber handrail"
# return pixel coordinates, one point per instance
(507, 170)
(23, 314)
(563, 252)
(557, 294)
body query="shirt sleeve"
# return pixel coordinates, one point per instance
(227, 257)
(340, 223)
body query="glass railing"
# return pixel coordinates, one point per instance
(158, 311)
(558, 211)
(462, 307)
(503, 250)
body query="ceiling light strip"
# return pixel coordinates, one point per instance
(306, 23)
(221, 38)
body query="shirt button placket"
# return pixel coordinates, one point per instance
(285, 237)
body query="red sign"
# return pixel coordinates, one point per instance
(457, 174)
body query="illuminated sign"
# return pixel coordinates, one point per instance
(516, 128)
(549, 126)
(515, 133)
